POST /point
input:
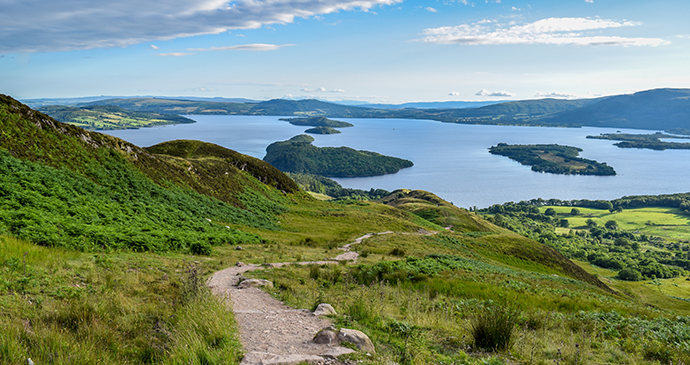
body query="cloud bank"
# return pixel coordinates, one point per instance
(494, 93)
(556, 31)
(555, 95)
(64, 25)
(245, 47)
(321, 90)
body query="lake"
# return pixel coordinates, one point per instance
(452, 160)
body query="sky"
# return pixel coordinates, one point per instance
(378, 51)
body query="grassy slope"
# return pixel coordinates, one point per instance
(125, 307)
(110, 117)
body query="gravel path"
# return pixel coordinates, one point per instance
(271, 332)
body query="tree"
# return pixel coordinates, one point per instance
(612, 225)
(630, 275)
(575, 211)
(622, 242)
(550, 212)
(564, 223)
(591, 223)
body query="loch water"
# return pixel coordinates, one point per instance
(452, 160)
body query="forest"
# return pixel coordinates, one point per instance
(634, 242)
(552, 158)
(318, 122)
(300, 156)
(649, 141)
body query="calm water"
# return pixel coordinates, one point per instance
(452, 160)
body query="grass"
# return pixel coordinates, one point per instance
(417, 296)
(660, 293)
(668, 223)
(60, 306)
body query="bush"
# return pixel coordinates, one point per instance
(492, 328)
(630, 275)
(200, 248)
(398, 252)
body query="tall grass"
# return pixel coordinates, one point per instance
(62, 307)
(493, 328)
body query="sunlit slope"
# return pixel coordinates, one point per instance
(487, 239)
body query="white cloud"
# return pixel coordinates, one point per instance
(321, 90)
(555, 95)
(174, 54)
(153, 46)
(557, 31)
(589, 1)
(430, 9)
(245, 47)
(454, 93)
(63, 25)
(494, 93)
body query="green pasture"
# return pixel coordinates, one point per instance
(667, 223)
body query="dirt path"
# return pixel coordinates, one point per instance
(271, 332)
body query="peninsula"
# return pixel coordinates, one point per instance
(649, 141)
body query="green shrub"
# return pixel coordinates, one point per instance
(200, 248)
(492, 328)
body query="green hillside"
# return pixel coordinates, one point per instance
(667, 109)
(652, 109)
(110, 117)
(105, 248)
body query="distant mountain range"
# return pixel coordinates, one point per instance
(426, 105)
(38, 103)
(658, 109)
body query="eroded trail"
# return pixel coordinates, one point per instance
(270, 331)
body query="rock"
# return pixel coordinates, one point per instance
(29, 362)
(239, 263)
(324, 310)
(239, 248)
(253, 283)
(326, 337)
(357, 338)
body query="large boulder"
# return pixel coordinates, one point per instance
(326, 337)
(324, 309)
(357, 338)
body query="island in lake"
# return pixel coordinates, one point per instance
(298, 155)
(322, 130)
(552, 158)
(318, 122)
(649, 141)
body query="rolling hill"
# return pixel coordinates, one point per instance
(105, 248)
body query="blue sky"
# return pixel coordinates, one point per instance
(375, 51)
